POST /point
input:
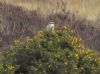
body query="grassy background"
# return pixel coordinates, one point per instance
(21, 18)
(87, 8)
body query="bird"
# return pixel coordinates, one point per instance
(50, 26)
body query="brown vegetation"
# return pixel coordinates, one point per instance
(17, 23)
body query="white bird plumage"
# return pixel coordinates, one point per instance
(50, 26)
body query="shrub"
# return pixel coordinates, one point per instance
(50, 52)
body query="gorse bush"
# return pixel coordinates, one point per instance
(50, 52)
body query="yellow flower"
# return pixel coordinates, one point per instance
(10, 67)
(81, 46)
(76, 55)
(17, 42)
(29, 39)
(75, 39)
(40, 33)
(65, 62)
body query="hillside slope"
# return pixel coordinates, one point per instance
(87, 8)
(17, 23)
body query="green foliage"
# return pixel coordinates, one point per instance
(50, 52)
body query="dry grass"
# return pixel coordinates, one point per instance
(87, 8)
(18, 22)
